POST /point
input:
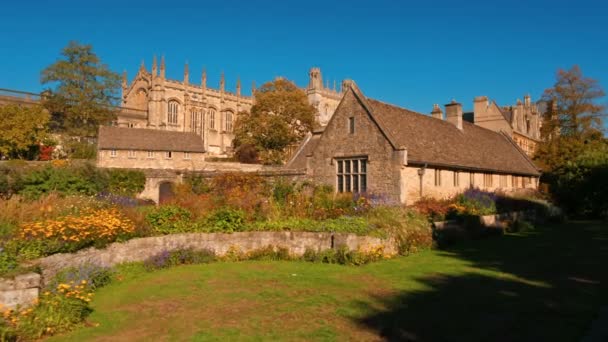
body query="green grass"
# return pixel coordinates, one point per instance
(545, 285)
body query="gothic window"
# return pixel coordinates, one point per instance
(172, 112)
(351, 175)
(211, 118)
(228, 121)
(195, 115)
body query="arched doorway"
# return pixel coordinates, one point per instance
(165, 192)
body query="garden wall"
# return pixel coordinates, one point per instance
(21, 290)
(143, 248)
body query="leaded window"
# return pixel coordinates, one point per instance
(351, 175)
(172, 112)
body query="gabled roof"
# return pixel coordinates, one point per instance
(298, 160)
(122, 138)
(440, 143)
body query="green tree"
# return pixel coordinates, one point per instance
(22, 127)
(85, 91)
(281, 116)
(574, 110)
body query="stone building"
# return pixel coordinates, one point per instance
(139, 148)
(370, 146)
(521, 122)
(152, 101)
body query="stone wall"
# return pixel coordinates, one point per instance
(22, 290)
(383, 162)
(143, 248)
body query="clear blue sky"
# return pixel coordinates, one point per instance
(411, 53)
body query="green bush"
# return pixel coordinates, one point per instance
(226, 220)
(169, 219)
(198, 184)
(281, 190)
(8, 261)
(126, 182)
(340, 255)
(269, 253)
(85, 180)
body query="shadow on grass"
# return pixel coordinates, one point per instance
(543, 286)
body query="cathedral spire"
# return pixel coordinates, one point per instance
(186, 74)
(238, 86)
(252, 88)
(162, 66)
(222, 83)
(124, 79)
(142, 66)
(204, 79)
(154, 67)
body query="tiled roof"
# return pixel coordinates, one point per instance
(439, 143)
(122, 138)
(298, 161)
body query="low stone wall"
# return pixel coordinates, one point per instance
(22, 290)
(143, 248)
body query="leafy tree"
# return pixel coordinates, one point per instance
(573, 107)
(574, 152)
(22, 128)
(85, 91)
(281, 116)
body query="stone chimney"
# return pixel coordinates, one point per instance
(453, 114)
(437, 113)
(347, 83)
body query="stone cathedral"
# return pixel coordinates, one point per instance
(152, 101)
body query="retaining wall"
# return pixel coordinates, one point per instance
(19, 291)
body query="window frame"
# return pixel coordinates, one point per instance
(351, 174)
(173, 112)
(437, 177)
(113, 153)
(168, 154)
(187, 156)
(151, 155)
(351, 125)
(131, 154)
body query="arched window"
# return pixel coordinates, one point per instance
(195, 120)
(228, 121)
(172, 112)
(212, 118)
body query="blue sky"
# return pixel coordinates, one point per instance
(411, 53)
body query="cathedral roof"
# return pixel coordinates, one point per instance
(122, 138)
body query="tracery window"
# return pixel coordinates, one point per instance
(211, 118)
(228, 121)
(195, 120)
(172, 112)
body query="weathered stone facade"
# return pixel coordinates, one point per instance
(521, 121)
(155, 102)
(369, 146)
(22, 290)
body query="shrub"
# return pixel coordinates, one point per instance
(477, 202)
(247, 154)
(169, 219)
(176, 257)
(198, 184)
(92, 275)
(434, 209)
(58, 310)
(71, 181)
(269, 253)
(226, 220)
(126, 182)
(520, 226)
(8, 261)
(342, 256)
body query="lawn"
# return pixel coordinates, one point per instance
(545, 285)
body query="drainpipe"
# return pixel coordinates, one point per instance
(421, 172)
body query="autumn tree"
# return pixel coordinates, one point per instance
(84, 91)
(22, 127)
(573, 104)
(281, 116)
(572, 154)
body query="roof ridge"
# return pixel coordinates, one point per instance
(363, 100)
